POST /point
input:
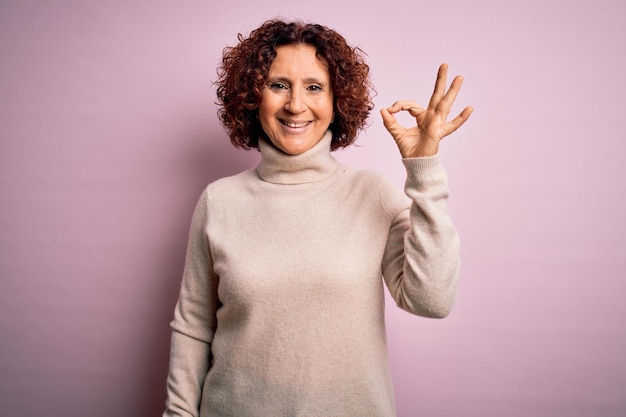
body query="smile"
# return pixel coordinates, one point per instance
(294, 124)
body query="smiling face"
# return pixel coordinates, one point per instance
(297, 103)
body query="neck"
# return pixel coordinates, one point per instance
(314, 165)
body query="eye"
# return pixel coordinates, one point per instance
(278, 86)
(315, 88)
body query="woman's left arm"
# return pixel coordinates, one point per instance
(422, 254)
(421, 261)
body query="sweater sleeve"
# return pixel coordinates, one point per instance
(194, 322)
(422, 255)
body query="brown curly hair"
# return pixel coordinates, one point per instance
(244, 69)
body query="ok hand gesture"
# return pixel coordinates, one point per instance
(431, 125)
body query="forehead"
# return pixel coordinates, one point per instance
(298, 60)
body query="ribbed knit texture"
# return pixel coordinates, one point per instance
(281, 308)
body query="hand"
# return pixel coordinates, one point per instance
(423, 139)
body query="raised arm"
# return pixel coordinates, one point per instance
(421, 262)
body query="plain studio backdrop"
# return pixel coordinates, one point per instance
(109, 133)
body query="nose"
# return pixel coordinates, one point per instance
(296, 101)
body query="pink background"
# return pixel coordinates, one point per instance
(108, 134)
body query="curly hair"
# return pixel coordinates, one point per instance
(244, 69)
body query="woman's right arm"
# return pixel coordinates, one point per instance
(194, 322)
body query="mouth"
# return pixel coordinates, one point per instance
(294, 125)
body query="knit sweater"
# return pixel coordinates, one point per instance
(281, 307)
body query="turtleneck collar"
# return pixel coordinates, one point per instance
(314, 165)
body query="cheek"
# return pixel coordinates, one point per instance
(331, 108)
(265, 117)
(264, 114)
(268, 107)
(331, 112)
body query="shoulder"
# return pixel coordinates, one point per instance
(226, 190)
(388, 195)
(230, 184)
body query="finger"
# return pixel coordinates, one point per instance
(416, 110)
(440, 86)
(458, 121)
(388, 118)
(445, 104)
(403, 105)
(391, 123)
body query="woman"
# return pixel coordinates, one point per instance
(281, 304)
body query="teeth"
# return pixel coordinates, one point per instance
(294, 125)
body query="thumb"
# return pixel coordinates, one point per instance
(390, 122)
(388, 118)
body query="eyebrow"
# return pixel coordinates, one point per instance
(310, 80)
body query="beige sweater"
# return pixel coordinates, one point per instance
(281, 308)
